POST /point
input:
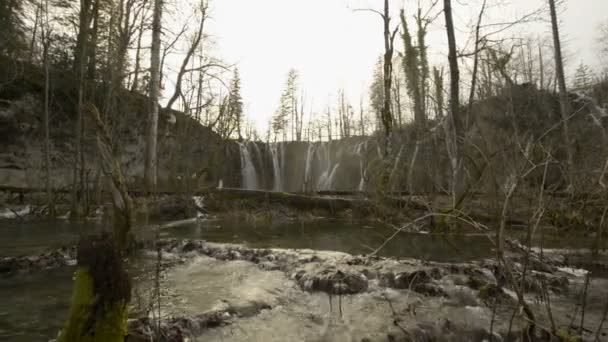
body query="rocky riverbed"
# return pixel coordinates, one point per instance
(235, 293)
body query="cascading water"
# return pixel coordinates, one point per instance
(359, 148)
(260, 162)
(248, 173)
(276, 167)
(308, 166)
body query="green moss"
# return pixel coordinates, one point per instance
(489, 291)
(83, 325)
(567, 336)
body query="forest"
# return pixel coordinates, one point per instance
(146, 193)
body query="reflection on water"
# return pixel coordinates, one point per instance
(34, 306)
(340, 236)
(34, 237)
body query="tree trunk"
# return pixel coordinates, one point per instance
(455, 134)
(387, 117)
(47, 139)
(150, 172)
(94, 36)
(80, 64)
(476, 58)
(135, 85)
(563, 95)
(122, 202)
(102, 291)
(454, 72)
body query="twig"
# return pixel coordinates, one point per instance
(395, 321)
(581, 327)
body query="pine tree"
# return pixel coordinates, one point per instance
(235, 103)
(582, 77)
(288, 116)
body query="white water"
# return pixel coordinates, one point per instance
(326, 180)
(276, 167)
(248, 173)
(359, 149)
(7, 213)
(307, 167)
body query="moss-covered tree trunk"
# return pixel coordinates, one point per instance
(102, 288)
(102, 291)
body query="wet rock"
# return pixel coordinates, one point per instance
(179, 329)
(332, 281)
(492, 293)
(53, 259)
(8, 265)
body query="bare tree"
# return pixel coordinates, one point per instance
(45, 30)
(195, 43)
(150, 172)
(476, 53)
(456, 133)
(386, 115)
(563, 95)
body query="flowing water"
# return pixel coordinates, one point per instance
(33, 306)
(248, 172)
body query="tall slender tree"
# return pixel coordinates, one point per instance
(563, 94)
(235, 103)
(150, 171)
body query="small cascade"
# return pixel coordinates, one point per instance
(327, 179)
(359, 149)
(199, 204)
(308, 166)
(260, 161)
(361, 186)
(248, 173)
(276, 167)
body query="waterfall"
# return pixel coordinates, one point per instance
(261, 173)
(248, 174)
(363, 176)
(276, 167)
(324, 165)
(307, 166)
(327, 179)
(362, 168)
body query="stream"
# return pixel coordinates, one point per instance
(33, 305)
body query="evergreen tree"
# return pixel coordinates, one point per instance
(287, 116)
(235, 103)
(582, 77)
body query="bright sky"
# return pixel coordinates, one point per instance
(333, 46)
